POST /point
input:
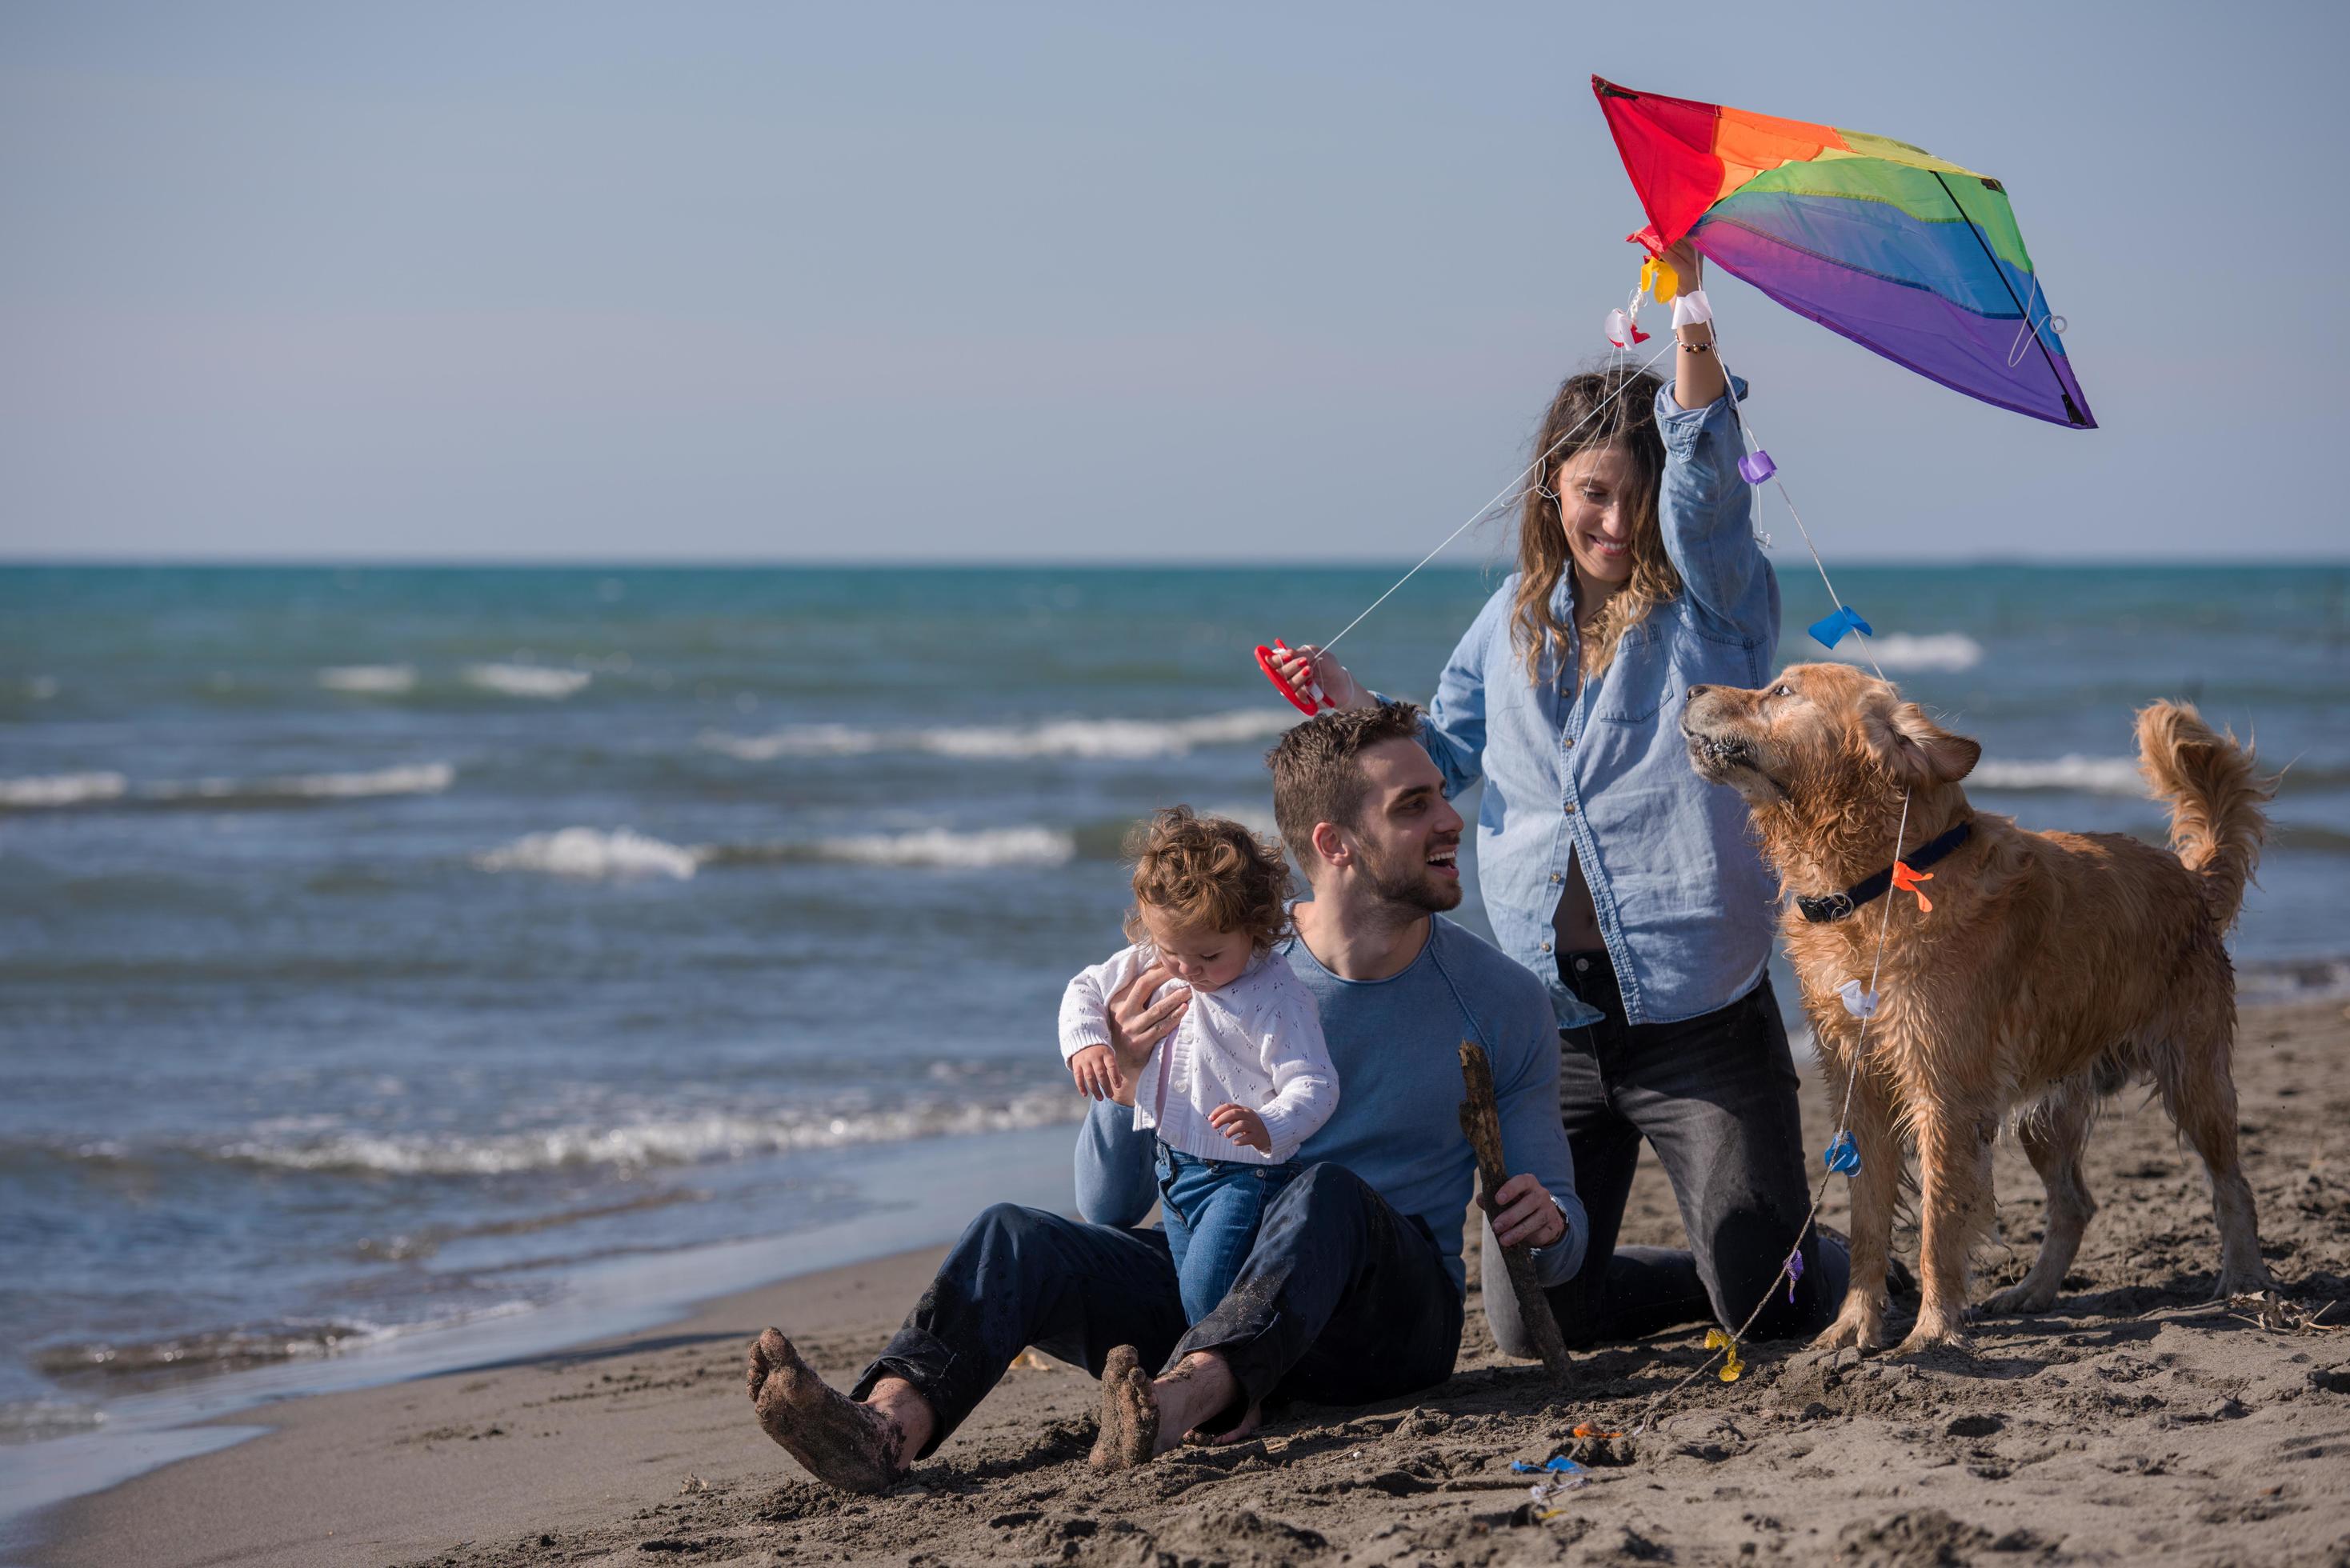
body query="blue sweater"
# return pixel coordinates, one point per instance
(1396, 1044)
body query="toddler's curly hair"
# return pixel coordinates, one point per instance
(1208, 873)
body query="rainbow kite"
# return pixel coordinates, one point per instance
(1900, 251)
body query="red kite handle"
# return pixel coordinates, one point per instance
(1305, 705)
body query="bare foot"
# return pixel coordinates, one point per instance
(1129, 1414)
(1246, 1430)
(841, 1442)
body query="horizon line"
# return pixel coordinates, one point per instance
(1104, 563)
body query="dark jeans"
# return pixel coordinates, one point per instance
(1212, 1208)
(1343, 1300)
(1715, 1097)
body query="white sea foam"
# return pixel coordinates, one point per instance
(800, 741)
(938, 847)
(41, 688)
(60, 789)
(2085, 775)
(593, 853)
(415, 778)
(1111, 738)
(676, 1140)
(1901, 651)
(527, 679)
(374, 680)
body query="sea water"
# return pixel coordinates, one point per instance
(390, 948)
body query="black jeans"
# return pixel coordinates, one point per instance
(1715, 1097)
(1343, 1300)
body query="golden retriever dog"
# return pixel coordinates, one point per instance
(2053, 969)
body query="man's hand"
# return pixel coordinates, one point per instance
(1137, 1024)
(1243, 1126)
(1524, 1216)
(1096, 1070)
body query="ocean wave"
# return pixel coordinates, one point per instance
(593, 854)
(928, 846)
(1112, 739)
(374, 680)
(527, 680)
(670, 1141)
(1904, 651)
(2079, 774)
(225, 1350)
(44, 790)
(414, 778)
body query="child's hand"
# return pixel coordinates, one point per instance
(1096, 1070)
(1243, 1126)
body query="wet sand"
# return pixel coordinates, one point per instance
(2134, 1423)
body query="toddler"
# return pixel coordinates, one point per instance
(1244, 1077)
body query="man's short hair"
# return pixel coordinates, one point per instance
(1317, 770)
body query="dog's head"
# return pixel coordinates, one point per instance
(1824, 748)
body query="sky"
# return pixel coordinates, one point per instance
(1007, 282)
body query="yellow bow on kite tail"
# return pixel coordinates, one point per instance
(1661, 282)
(1731, 1367)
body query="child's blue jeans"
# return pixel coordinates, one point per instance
(1212, 1208)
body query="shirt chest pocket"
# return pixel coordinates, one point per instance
(1636, 683)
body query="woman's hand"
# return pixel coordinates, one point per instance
(1307, 663)
(1243, 1126)
(1689, 267)
(1096, 1070)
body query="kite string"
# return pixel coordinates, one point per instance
(1834, 598)
(1483, 512)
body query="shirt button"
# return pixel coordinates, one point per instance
(1569, 742)
(1554, 876)
(1582, 964)
(1570, 808)
(1545, 947)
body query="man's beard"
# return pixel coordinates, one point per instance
(1411, 890)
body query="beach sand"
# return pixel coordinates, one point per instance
(2132, 1424)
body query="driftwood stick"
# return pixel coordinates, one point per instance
(1480, 1119)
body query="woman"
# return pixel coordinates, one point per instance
(1613, 870)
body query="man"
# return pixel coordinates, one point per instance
(1353, 1291)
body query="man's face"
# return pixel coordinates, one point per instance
(1408, 833)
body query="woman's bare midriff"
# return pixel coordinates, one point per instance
(1575, 923)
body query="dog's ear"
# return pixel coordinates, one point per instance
(1917, 748)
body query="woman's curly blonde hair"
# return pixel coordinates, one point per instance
(1616, 407)
(1208, 873)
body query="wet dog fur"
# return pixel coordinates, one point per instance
(2055, 969)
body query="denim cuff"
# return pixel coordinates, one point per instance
(926, 1361)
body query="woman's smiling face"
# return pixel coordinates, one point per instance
(1596, 500)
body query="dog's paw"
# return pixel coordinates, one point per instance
(1932, 1334)
(2018, 1299)
(2243, 1282)
(1860, 1327)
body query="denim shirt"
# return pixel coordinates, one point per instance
(1601, 772)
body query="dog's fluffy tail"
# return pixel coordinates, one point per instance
(2217, 824)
